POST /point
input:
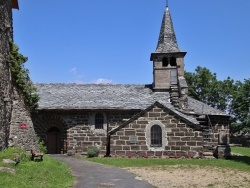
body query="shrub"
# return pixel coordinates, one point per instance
(20, 77)
(93, 152)
(40, 143)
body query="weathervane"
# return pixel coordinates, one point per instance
(167, 3)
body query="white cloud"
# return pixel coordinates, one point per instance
(76, 76)
(102, 81)
(73, 70)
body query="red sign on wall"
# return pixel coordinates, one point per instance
(23, 126)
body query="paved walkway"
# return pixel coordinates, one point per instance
(93, 175)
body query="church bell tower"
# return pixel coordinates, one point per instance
(168, 59)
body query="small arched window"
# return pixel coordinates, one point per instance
(165, 62)
(173, 61)
(99, 121)
(156, 136)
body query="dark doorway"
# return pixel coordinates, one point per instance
(53, 141)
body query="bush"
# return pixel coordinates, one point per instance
(92, 152)
(40, 143)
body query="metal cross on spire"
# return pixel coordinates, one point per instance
(167, 3)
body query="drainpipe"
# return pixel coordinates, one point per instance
(108, 139)
(108, 146)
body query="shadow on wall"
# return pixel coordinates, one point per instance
(53, 131)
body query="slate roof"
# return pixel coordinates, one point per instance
(109, 96)
(167, 42)
(97, 96)
(202, 108)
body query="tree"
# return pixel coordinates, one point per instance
(204, 86)
(240, 105)
(227, 95)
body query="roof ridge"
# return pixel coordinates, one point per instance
(77, 84)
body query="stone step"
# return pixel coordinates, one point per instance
(207, 153)
(209, 157)
(175, 86)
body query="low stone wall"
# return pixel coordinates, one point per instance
(241, 140)
(220, 124)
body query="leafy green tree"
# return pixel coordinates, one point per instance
(240, 105)
(227, 95)
(204, 86)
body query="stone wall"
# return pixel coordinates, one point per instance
(21, 132)
(5, 77)
(13, 111)
(220, 124)
(178, 139)
(76, 129)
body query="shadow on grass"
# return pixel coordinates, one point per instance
(242, 159)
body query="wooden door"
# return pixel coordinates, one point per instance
(53, 142)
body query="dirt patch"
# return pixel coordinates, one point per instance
(187, 176)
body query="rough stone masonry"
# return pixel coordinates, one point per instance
(16, 127)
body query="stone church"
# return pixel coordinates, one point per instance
(157, 119)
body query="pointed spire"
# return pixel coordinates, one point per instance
(167, 42)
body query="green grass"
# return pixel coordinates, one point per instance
(48, 173)
(241, 163)
(241, 150)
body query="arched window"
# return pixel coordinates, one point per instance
(156, 136)
(173, 61)
(165, 62)
(99, 121)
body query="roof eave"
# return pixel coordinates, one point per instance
(156, 54)
(15, 4)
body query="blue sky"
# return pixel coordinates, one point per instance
(98, 41)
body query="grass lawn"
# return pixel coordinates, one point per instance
(241, 163)
(241, 150)
(48, 173)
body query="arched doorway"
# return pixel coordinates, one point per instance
(53, 140)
